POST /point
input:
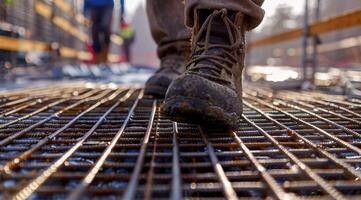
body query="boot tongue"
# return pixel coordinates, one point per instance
(213, 51)
(219, 34)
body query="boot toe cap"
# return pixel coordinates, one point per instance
(157, 85)
(197, 87)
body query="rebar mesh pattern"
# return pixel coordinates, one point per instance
(79, 142)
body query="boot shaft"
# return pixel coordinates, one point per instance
(210, 91)
(219, 34)
(218, 46)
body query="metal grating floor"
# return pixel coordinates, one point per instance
(100, 142)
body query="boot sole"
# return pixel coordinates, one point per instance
(199, 111)
(155, 91)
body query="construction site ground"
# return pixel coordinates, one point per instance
(105, 141)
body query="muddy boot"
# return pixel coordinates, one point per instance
(210, 91)
(171, 67)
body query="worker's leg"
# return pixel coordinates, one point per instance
(166, 19)
(105, 26)
(251, 8)
(210, 91)
(96, 29)
(106, 21)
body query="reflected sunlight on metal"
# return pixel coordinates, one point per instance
(273, 73)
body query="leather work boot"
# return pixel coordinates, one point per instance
(171, 67)
(209, 93)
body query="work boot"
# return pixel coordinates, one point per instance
(171, 67)
(210, 91)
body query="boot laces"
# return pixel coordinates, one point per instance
(226, 54)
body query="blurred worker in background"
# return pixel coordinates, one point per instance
(201, 80)
(127, 33)
(2, 10)
(3, 4)
(101, 12)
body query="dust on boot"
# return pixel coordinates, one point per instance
(210, 91)
(172, 66)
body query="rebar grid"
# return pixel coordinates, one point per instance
(78, 142)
